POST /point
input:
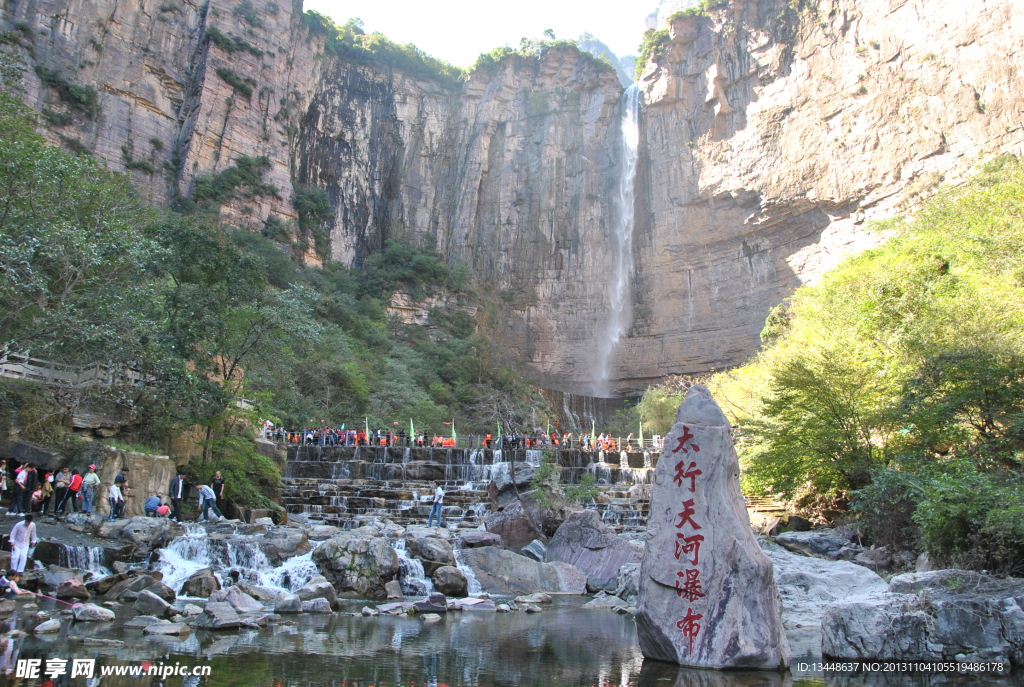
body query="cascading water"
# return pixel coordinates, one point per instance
(620, 289)
(88, 558)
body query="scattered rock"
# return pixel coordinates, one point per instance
(503, 608)
(500, 571)
(605, 602)
(167, 629)
(534, 599)
(97, 641)
(435, 603)
(534, 550)
(143, 621)
(394, 589)
(798, 524)
(73, 589)
(593, 548)
(7, 607)
(431, 551)
(191, 610)
(149, 603)
(723, 582)
(627, 584)
(322, 532)
(201, 584)
(358, 565)
(430, 617)
(531, 609)
(289, 603)
(923, 563)
(239, 600)
(875, 559)
(262, 594)
(266, 522)
(92, 613)
(478, 538)
(367, 611)
(218, 615)
(514, 525)
(319, 588)
(470, 605)
(316, 606)
(47, 627)
(820, 543)
(450, 581)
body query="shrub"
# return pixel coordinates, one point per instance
(241, 86)
(247, 11)
(584, 492)
(57, 118)
(245, 180)
(81, 98)
(141, 166)
(654, 44)
(231, 44)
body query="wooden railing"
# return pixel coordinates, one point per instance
(16, 366)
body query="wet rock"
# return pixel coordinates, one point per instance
(239, 600)
(143, 621)
(190, 610)
(605, 602)
(149, 603)
(725, 611)
(266, 522)
(144, 532)
(264, 595)
(430, 617)
(319, 588)
(167, 629)
(503, 608)
(478, 538)
(431, 551)
(323, 532)
(129, 589)
(821, 543)
(92, 613)
(485, 605)
(421, 532)
(73, 589)
(287, 542)
(514, 525)
(808, 586)
(7, 607)
(394, 589)
(47, 627)
(201, 584)
(368, 612)
(102, 586)
(434, 603)
(531, 609)
(627, 584)
(450, 581)
(357, 565)
(288, 603)
(500, 571)
(316, 606)
(99, 641)
(593, 548)
(534, 599)
(218, 615)
(534, 550)
(85, 523)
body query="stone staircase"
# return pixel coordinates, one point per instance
(347, 486)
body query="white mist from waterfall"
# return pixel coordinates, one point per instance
(620, 288)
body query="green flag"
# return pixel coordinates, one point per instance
(593, 433)
(499, 433)
(412, 429)
(453, 428)
(367, 421)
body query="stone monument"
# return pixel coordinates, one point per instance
(707, 595)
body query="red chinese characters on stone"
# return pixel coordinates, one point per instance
(687, 515)
(689, 545)
(688, 585)
(690, 472)
(683, 440)
(690, 626)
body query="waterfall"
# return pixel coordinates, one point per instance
(88, 558)
(620, 289)
(412, 577)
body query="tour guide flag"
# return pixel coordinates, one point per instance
(412, 429)
(593, 432)
(367, 420)
(453, 428)
(641, 436)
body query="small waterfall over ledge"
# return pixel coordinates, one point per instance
(620, 288)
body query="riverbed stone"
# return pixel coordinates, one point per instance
(534, 599)
(167, 629)
(514, 525)
(322, 532)
(287, 542)
(218, 615)
(47, 627)
(288, 603)
(471, 604)
(190, 610)
(142, 621)
(73, 588)
(500, 571)
(478, 538)
(149, 603)
(394, 589)
(201, 584)
(825, 543)
(92, 613)
(534, 550)
(316, 606)
(239, 600)
(715, 606)
(266, 595)
(450, 581)
(434, 603)
(593, 548)
(358, 566)
(319, 588)
(433, 552)
(627, 584)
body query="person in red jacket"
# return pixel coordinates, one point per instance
(74, 487)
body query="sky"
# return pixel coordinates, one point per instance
(459, 30)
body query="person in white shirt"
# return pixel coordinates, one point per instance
(436, 509)
(115, 497)
(23, 535)
(208, 501)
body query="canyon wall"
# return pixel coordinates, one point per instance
(770, 137)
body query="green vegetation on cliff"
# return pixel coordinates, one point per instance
(536, 49)
(897, 383)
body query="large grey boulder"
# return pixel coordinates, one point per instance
(318, 588)
(434, 603)
(808, 587)
(288, 603)
(87, 613)
(500, 571)
(149, 603)
(942, 615)
(201, 584)
(287, 542)
(239, 600)
(593, 548)
(430, 551)
(627, 583)
(822, 543)
(450, 581)
(218, 615)
(316, 606)
(356, 565)
(47, 627)
(477, 538)
(707, 595)
(73, 588)
(535, 515)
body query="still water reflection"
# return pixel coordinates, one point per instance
(565, 645)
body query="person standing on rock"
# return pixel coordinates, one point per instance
(177, 493)
(207, 501)
(46, 493)
(90, 484)
(31, 482)
(74, 489)
(218, 488)
(23, 535)
(116, 499)
(60, 489)
(436, 508)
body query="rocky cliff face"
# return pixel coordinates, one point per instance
(768, 138)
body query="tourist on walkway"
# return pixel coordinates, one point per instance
(436, 508)
(116, 498)
(207, 501)
(90, 485)
(23, 535)
(218, 488)
(177, 493)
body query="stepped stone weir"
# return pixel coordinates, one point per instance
(347, 485)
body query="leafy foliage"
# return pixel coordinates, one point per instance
(654, 43)
(535, 50)
(243, 180)
(313, 206)
(83, 99)
(241, 86)
(231, 44)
